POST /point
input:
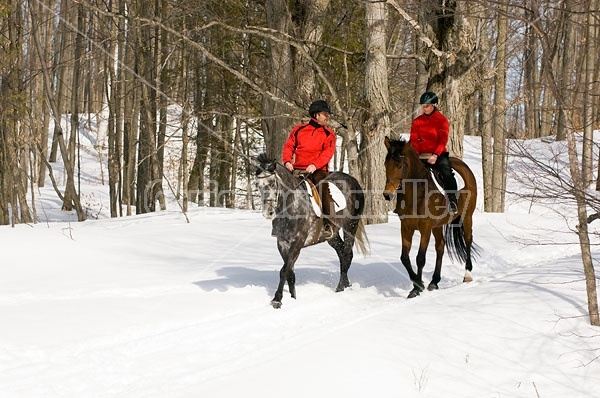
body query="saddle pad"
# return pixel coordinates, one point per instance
(436, 177)
(313, 201)
(338, 198)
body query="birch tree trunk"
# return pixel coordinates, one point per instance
(499, 124)
(111, 49)
(591, 58)
(484, 124)
(41, 117)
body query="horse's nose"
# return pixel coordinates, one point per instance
(389, 191)
(268, 213)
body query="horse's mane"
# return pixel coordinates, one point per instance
(396, 149)
(402, 148)
(265, 163)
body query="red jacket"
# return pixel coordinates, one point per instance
(429, 134)
(311, 143)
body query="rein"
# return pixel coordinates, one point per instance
(273, 202)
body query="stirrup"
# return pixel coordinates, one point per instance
(327, 232)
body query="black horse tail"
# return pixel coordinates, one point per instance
(454, 235)
(360, 238)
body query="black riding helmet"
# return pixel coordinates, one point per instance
(318, 106)
(428, 97)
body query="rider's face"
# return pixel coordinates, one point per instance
(428, 109)
(322, 118)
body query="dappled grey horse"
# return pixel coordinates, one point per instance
(287, 202)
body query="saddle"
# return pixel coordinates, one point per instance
(338, 197)
(436, 176)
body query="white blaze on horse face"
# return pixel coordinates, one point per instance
(268, 191)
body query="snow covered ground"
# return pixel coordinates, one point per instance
(151, 306)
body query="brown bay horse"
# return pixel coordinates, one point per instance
(422, 207)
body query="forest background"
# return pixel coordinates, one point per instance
(241, 73)
(244, 72)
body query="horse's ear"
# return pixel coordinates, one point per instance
(263, 163)
(387, 143)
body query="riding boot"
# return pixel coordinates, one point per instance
(452, 203)
(327, 231)
(326, 206)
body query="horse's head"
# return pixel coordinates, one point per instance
(266, 180)
(396, 165)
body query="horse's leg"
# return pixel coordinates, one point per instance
(289, 254)
(439, 254)
(468, 234)
(419, 286)
(407, 234)
(343, 248)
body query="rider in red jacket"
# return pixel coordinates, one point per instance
(310, 146)
(429, 136)
(312, 143)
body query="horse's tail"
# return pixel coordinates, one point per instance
(454, 234)
(360, 238)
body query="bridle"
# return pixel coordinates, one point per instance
(271, 201)
(399, 159)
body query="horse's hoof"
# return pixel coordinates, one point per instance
(414, 293)
(276, 304)
(432, 286)
(341, 287)
(468, 277)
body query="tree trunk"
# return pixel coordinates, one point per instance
(484, 126)
(499, 124)
(591, 58)
(41, 117)
(220, 162)
(130, 92)
(567, 48)
(376, 124)
(81, 216)
(113, 97)
(77, 55)
(277, 125)
(582, 232)
(452, 75)
(531, 77)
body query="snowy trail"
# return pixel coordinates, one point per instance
(146, 316)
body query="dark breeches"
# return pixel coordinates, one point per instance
(443, 165)
(323, 189)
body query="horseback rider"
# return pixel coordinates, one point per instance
(309, 147)
(429, 136)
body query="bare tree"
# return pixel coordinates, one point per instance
(579, 185)
(499, 122)
(70, 185)
(277, 124)
(376, 124)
